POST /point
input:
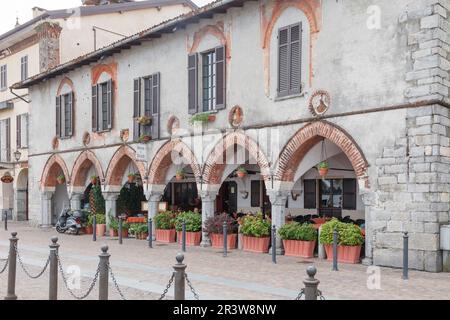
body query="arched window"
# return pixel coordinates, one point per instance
(65, 99)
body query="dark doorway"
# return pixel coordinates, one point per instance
(227, 198)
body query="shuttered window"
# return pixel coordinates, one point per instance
(5, 140)
(310, 198)
(22, 131)
(193, 82)
(64, 115)
(102, 106)
(289, 60)
(24, 67)
(147, 103)
(3, 77)
(349, 194)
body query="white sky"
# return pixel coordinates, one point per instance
(22, 9)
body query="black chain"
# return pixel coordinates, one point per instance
(196, 296)
(300, 295)
(91, 287)
(6, 265)
(167, 287)
(26, 271)
(116, 285)
(320, 295)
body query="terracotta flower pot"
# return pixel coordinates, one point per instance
(211, 118)
(193, 239)
(346, 254)
(101, 230)
(302, 249)
(217, 241)
(131, 179)
(257, 245)
(60, 180)
(241, 175)
(142, 236)
(166, 236)
(113, 233)
(124, 233)
(323, 171)
(179, 177)
(94, 181)
(89, 230)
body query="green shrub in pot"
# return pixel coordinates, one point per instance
(349, 234)
(255, 226)
(193, 222)
(298, 232)
(165, 221)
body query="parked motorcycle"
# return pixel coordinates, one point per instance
(70, 221)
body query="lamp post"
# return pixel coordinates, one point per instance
(17, 155)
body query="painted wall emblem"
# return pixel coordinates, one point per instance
(125, 135)
(7, 178)
(319, 103)
(55, 143)
(86, 139)
(236, 117)
(173, 125)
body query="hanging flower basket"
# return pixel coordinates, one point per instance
(131, 177)
(144, 120)
(180, 175)
(145, 138)
(94, 180)
(61, 179)
(241, 173)
(323, 168)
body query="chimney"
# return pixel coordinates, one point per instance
(48, 34)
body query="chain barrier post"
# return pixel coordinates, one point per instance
(94, 226)
(53, 277)
(405, 256)
(225, 239)
(274, 244)
(183, 237)
(120, 230)
(150, 233)
(180, 276)
(104, 274)
(11, 293)
(335, 250)
(311, 284)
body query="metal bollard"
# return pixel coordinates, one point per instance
(183, 237)
(104, 274)
(335, 250)
(180, 276)
(53, 276)
(405, 256)
(150, 233)
(6, 220)
(120, 230)
(225, 239)
(311, 284)
(94, 226)
(11, 293)
(274, 244)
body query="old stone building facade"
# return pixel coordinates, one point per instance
(284, 85)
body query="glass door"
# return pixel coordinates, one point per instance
(331, 192)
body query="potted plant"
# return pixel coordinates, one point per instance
(202, 118)
(323, 168)
(113, 227)
(299, 240)
(144, 120)
(90, 221)
(193, 227)
(101, 224)
(61, 179)
(131, 177)
(180, 175)
(241, 172)
(142, 231)
(256, 233)
(214, 226)
(165, 227)
(145, 138)
(350, 241)
(94, 180)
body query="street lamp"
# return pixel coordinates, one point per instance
(17, 155)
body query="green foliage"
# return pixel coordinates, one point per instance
(297, 231)
(349, 234)
(242, 170)
(323, 165)
(137, 228)
(90, 220)
(255, 226)
(165, 221)
(201, 117)
(61, 177)
(214, 225)
(113, 223)
(193, 221)
(181, 172)
(130, 198)
(101, 218)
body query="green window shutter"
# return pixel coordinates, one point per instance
(156, 94)
(109, 104)
(58, 116)
(95, 108)
(193, 83)
(220, 78)
(136, 108)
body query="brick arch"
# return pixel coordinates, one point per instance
(163, 160)
(65, 81)
(119, 163)
(308, 137)
(215, 166)
(81, 168)
(55, 164)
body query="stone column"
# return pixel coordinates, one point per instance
(153, 208)
(75, 201)
(278, 200)
(208, 210)
(46, 208)
(110, 206)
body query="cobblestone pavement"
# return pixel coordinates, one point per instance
(143, 273)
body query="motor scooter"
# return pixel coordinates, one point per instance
(69, 221)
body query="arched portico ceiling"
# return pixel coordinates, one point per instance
(308, 137)
(54, 166)
(164, 158)
(84, 162)
(119, 164)
(215, 164)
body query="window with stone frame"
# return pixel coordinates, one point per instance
(22, 129)
(24, 68)
(147, 104)
(102, 106)
(5, 140)
(3, 77)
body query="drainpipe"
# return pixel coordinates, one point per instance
(17, 96)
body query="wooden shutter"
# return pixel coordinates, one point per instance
(156, 91)
(295, 55)
(58, 116)
(18, 131)
(70, 96)
(349, 194)
(256, 194)
(193, 83)
(283, 62)
(310, 197)
(8, 140)
(220, 78)
(136, 108)
(109, 104)
(27, 130)
(95, 108)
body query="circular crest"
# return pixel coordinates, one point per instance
(55, 143)
(86, 139)
(319, 103)
(236, 117)
(173, 125)
(7, 178)
(125, 135)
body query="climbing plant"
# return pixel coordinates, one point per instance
(96, 200)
